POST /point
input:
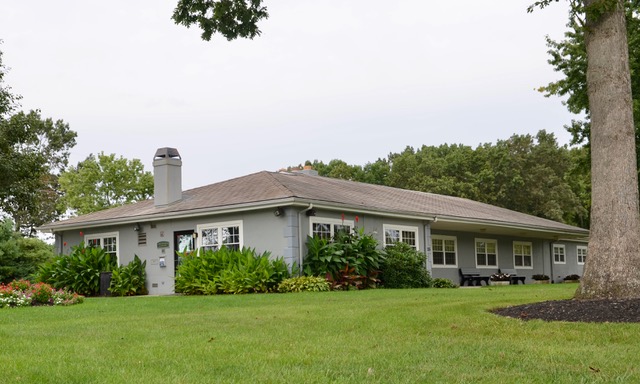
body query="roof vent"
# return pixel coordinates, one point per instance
(307, 170)
(166, 153)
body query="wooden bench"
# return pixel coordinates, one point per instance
(513, 274)
(474, 276)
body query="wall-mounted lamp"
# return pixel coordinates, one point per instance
(137, 227)
(311, 212)
(278, 212)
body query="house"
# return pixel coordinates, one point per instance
(276, 211)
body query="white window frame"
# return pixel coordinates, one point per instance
(475, 245)
(559, 257)
(443, 238)
(401, 228)
(101, 237)
(580, 248)
(219, 226)
(331, 222)
(528, 243)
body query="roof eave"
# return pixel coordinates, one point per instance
(61, 226)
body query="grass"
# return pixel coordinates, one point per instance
(375, 336)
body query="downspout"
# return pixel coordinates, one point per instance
(300, 237)
(427, 244)
(551, 261)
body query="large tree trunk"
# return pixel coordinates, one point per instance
(613, 264)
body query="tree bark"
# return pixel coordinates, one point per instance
(612, 269)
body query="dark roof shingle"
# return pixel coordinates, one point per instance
(264, 187)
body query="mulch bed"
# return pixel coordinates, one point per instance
(590, 311)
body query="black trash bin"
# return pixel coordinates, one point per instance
(105, 282)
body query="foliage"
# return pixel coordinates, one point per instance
(572, 277)
(230, 18)
(79, 271)
(525, 173)
(500, 277)
(21, 293)
(129, 280)
(103, 182)
(348, 260)
(404, 267)
(8, 101)
(20, 256)
(442, 283)
(210, 272)
(304, 284)
(33, 151)
(540, 277)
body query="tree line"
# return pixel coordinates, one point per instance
(525, 173)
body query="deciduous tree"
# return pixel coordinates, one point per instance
(103, 182)
(33, 151)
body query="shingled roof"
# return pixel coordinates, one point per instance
(269, 189)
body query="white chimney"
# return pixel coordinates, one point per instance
(167, 176)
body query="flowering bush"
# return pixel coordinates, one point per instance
(540, 277)
(500, 277)
(21, 293)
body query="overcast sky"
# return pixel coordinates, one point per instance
(353, 80)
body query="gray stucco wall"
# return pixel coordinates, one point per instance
(285, 236)
(542, 259)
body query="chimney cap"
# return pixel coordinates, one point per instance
(167, 152)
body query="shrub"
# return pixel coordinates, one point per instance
(304, 284)
(540, 277)
(79, 271)
(20, 256)
(24, 294)
(572, 277)
(349, 260)
(442, 283)
(129, 280)
(229, 271)
(404, 267)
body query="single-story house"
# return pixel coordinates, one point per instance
(276, 211)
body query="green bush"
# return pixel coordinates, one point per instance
(304, 284)
(20, 256)
(79, 271)
(229, 271)
(129, 280)
(442, 283)
(404, 267)
(348, 260)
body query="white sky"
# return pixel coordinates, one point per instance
(353, 80)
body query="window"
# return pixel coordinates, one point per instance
(106, 241)
(558, 254)
(327, 228)
(444, 251)
(522, 254)
(582, 254)
(213, 236)
(397, 233)
(486, 253)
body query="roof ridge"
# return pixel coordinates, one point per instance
(278, 183)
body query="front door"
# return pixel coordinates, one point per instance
(183, 241)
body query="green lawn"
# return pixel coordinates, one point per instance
(375, 336)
